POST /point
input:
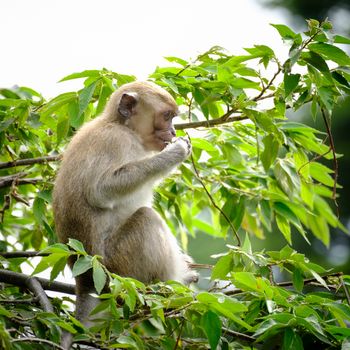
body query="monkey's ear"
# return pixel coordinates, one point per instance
(127, 104)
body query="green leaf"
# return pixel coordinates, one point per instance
(316, 61)
(290, 83)
(225, 305)
(234, 210)
(56, 248)
(83, 264)
(204, 145)
(58, 267)
(284, 31)
(77, 246)
(319, 228)
(84, 74)
(39, 209)
(339, 39)
(292, 340)
(211, 325)
(321, 173)
(298, 281)
(284, 227)
(125, 342)
(330, 52)
(99, 276)
(85, 97)
(269, 154)
(327, 97)
(176, 60)
(222, 267)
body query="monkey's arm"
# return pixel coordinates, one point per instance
(129, 177)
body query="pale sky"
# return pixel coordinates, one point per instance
(42, 41)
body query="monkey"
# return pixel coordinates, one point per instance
(104, 189)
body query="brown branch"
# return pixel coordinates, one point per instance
(38, 340)
(179, 335)
(20, 279)
(21, 254)
(211, 122)
(201, 266)
(258, 97)
(34, 285)
(29, 161)
(7, 181)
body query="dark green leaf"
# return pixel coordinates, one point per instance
(211, 324)
(290, 83)
(292, 340)
(99, 276)
(298, 281)
(330, 52)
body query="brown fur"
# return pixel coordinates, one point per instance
(103, 191)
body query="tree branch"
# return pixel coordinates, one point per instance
(211, 122)
(7, 181)
(29, 161)
(38, 340)
(34, 285)
(238, 334)
(20, 279)
(20, 254)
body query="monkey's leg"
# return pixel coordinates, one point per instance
(145, 249)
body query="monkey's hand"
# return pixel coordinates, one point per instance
(180, 148)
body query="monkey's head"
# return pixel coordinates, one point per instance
(146, 109)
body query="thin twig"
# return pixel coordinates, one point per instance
(258, 97)
(7, 181)
(38, 340)
(201, 266)
(29, 161)
(335, 160)
(238, 334)
(345, 289)
(179, 336)
(213, 202)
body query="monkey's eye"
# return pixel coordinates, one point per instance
(168, 115)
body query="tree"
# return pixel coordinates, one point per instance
(254, 172)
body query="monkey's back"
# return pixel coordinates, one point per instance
(78, 212)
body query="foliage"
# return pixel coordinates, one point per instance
(254, 171)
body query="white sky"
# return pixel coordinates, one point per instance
(42, 41)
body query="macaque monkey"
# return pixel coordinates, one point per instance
(104, 188)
